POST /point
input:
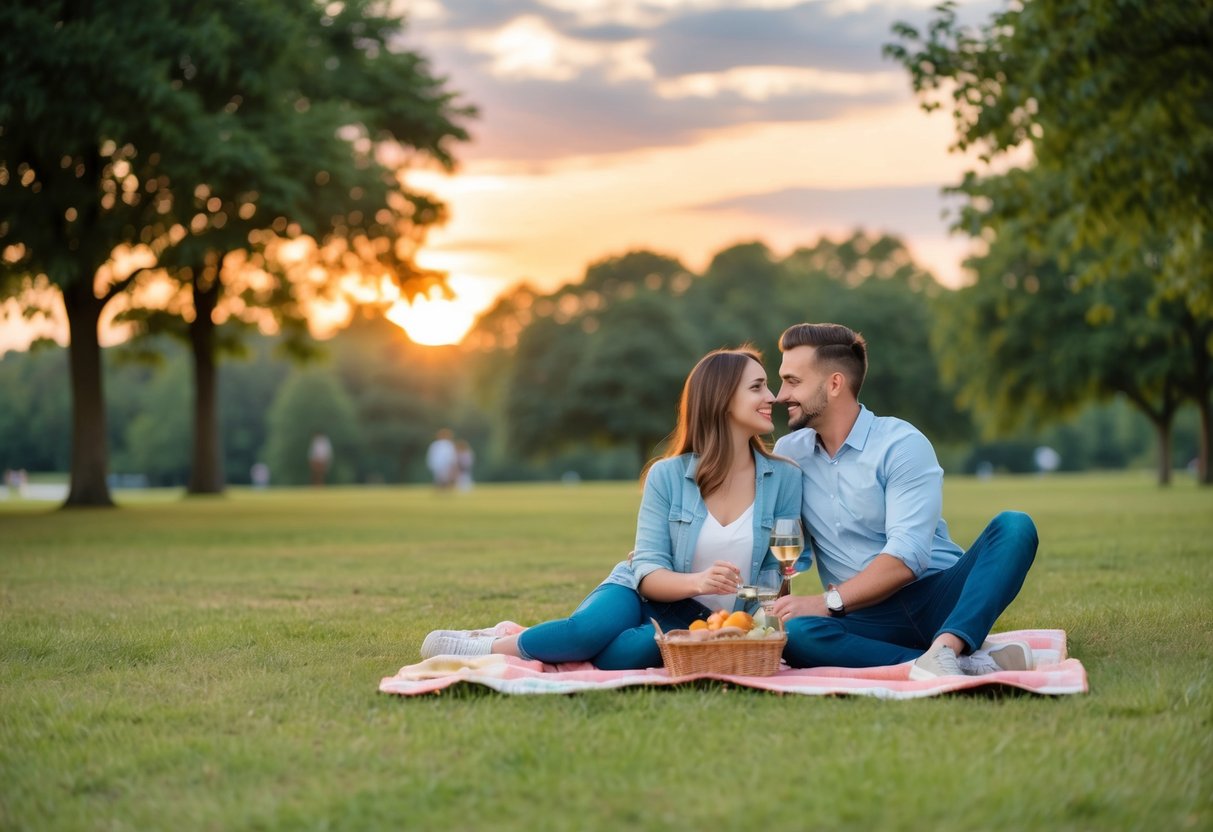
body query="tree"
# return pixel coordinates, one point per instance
(629, 379)
(872, 284)
(733, 302)
(146, 152)
(598, 362)
(402, 393)
(311, 401)
(1031, 344)
(1114, 99)
(339, 76)
(35, 423)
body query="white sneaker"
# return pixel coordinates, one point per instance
(455, 643)
(995, 657)
(935, 663)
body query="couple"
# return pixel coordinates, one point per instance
(869, 490)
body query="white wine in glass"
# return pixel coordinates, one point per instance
(787, 542)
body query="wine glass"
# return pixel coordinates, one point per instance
(767, 590)
(787, 542)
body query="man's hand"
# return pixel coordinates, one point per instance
(794, 606)
(721, 578)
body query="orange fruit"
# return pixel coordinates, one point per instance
(699, 625)
(739, 619)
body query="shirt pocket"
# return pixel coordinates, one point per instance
(680, 530)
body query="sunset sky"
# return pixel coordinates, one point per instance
(682, 126)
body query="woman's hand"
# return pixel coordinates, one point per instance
(721, 578)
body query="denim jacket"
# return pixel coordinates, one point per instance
(672, 512)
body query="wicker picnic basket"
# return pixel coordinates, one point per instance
(729, 656)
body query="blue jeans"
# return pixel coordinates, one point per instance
(611, 628)
(964, 600)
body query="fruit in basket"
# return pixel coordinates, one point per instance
(698, 625)
(740, 619)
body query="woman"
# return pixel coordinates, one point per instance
(705, 523)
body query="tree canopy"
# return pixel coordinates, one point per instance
(1114, 98)
(136, 137)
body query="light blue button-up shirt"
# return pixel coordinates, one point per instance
(882, 493)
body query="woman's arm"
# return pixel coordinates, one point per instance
(721, 578)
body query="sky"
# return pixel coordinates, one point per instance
(680, 126)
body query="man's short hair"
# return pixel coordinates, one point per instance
(838, 347)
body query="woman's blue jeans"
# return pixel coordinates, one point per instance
(611, 629)
(964, 600)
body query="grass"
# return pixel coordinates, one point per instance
(213, 663)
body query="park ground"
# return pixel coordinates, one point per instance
(212, 664)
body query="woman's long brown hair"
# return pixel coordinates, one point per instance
(703, 416)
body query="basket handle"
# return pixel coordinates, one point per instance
(657, 627)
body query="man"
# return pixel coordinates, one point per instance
(896, 584)
(442, 459)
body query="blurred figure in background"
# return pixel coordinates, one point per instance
(443, 460)
(319, 457)
(260, 475)
(465, 458)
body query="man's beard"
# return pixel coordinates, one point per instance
(810, 411)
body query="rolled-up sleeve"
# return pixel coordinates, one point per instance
(654, 548)
(913, 501)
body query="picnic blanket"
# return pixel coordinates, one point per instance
(1055, 675)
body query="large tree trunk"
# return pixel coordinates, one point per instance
(206, 468)
(1163, 428)
(90, 449)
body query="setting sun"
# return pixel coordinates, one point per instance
(436, 321)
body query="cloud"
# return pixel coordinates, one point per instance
(530, 47)
(912, 211)
(576, 77)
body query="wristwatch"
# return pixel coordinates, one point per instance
(834, 604)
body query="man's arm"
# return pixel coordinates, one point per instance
(879, 579)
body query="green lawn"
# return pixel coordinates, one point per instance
(213, 664)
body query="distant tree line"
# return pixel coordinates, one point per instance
(208, 169)
(582, 379)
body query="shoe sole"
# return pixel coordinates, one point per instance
(1011, 655)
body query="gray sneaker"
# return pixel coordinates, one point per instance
(935, 663)
(455, 643)
(995, 657)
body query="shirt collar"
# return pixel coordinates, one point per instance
(857, 438)
(762, 465)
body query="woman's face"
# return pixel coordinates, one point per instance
(750, 407)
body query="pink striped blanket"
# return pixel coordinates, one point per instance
(1055, 675)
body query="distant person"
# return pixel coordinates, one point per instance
(260, 475)
(704, 528)
(320, 457)
(895, 583)
(465, 459)
(442, 459)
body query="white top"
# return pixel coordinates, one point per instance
(734, 543)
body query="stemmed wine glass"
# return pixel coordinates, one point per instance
(767, 591)
(787, 542)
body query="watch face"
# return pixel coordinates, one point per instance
(834, 600)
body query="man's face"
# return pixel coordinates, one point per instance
(803, 389)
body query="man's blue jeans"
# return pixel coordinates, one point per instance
(964, 600)
(611, 628)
